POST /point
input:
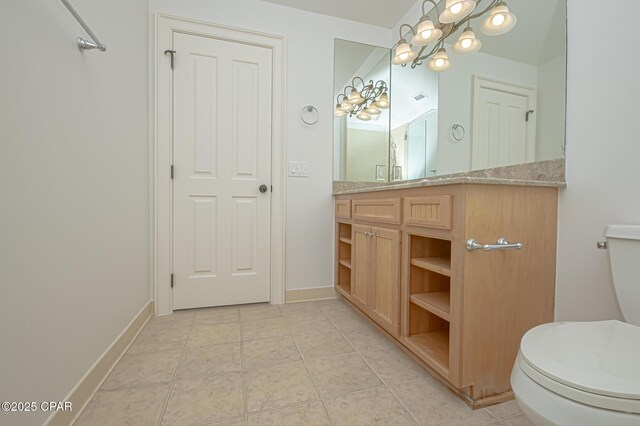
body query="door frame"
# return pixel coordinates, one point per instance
(161, 150)
(480, 82)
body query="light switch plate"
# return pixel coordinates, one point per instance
(298, 169)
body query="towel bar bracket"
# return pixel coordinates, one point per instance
(82, 43)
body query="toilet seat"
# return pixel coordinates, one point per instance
(594, 363)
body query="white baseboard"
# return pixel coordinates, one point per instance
(83, 391)
(308, 294)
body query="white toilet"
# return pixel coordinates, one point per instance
(588, 373)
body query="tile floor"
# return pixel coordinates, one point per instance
(312, 363)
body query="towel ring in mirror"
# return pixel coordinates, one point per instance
(458, 132)
(308, 110)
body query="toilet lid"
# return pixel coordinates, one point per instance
(600, 357)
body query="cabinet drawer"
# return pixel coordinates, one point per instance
(343, 209)
(384, 210)
(435, 211)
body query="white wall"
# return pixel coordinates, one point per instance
(603, 151)
(456, 97)
(550, 112)
(366, 148)
(74, 222)
(310, 38)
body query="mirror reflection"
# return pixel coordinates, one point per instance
(488, 90)
(361, 126)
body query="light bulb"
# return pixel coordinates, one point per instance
(355, 98)
(426, 33)
(440, 61)
(467, 43)
(456, 10)
(383, 102)
(373, 110)
(403, 53)
(363, 116)
(498, 19)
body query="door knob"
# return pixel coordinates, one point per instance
(263, 188)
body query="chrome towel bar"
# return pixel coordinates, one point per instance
(502, 244)
(82, 43)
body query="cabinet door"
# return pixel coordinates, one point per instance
(361, 266)
(384, 297)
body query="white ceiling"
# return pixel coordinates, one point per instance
(383, 13)
(537, 37)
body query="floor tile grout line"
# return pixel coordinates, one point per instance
(404, 406)
(243, 377)
(313, 382)
(175, 373)
(284, 406)
(338, 395)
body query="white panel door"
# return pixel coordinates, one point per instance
(221, 155)
(502, 136)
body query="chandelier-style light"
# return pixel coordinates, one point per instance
(430, 37)
(364, 103)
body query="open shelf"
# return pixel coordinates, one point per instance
(345, 262)
(435, 344)
(430, 334)
(343, 274)
(438, 303)
(429, 307)
(438, 264)
(344, 279)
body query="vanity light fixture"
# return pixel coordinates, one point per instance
(455, 10)
(362, 102)
(467, 43)
(440, 61)
(430, 38)
(403, 54)
(426, 32)
(500, 20)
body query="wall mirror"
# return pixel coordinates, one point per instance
(361, 127)
(497, 101)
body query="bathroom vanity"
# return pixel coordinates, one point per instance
(405, 259)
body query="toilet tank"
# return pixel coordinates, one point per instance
(624, 255)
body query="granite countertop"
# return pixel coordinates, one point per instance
(543, 173)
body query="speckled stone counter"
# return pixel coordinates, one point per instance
(542, 173)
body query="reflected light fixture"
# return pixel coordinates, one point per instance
(430, 34)
(364, 102)
(383, 101)
(373, 109)
(362, 115)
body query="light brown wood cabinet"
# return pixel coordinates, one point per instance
(375, 274)
(402, 260)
